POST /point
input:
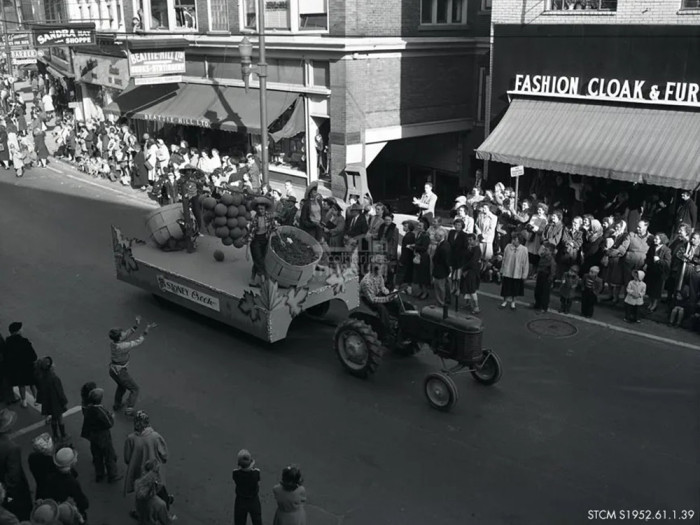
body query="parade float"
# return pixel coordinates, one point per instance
(209, 271)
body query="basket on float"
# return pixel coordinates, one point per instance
(285, 273)
(162, 223)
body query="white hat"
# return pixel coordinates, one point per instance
(460, 201)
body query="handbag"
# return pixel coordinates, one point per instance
(604, 260)
(147, 165)
(416, 259)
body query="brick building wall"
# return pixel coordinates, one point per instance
(358, 18)
(629, 12)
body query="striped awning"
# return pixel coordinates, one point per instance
(631, 143)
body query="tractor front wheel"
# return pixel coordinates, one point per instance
(440, 391)
(358, 347)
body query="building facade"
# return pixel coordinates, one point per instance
(603, 88)
(394, 88)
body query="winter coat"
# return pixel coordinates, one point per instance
(42, 467)
(635, 293)
(515, 262)
(140, 448)
(389, 237)
(19, 360)
(441, 261)
(12, 474)
(97, 424)
(458, 248)
(50, 393)
(63, 485)
(290, 506)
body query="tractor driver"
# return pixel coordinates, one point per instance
(377, 296)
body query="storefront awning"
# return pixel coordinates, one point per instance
(202, 105)
(635, 144)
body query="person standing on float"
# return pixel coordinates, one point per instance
(260, 228)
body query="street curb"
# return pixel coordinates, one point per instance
(603, 324)
(79, 176)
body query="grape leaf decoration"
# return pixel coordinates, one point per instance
(295, 300)
(247, 305)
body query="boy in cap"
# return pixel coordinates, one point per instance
(98, 423)
(247, 480)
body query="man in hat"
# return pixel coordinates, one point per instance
(247, 480)
(120, 348)
(62, 484)
(19, 361)
(260, 228)
(18, 499)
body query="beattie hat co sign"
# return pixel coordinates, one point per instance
(72, 35)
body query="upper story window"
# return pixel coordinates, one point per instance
(218, 15)
(591, 5)
(287, 15)
(486, 5)
(690, 4)
(169, 15)
(443, 11)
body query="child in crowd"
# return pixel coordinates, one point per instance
(636, 289)
(678, 306)
(247, 480)
(97, 424)
(569, 285)
(591, 286)
(546, 269)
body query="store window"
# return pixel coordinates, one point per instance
(443, 12)
(288, 138)
(287, 15)
(690, 4)
(591, 5)
(218, 15)
(170, 15)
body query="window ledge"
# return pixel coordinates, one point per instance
(579, 12)
(285, 32)
(222, 32)
(689, 11)
(443, 27)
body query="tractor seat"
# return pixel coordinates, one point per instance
(469, 324)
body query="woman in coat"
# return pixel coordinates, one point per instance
(535, 228)
(4, 149)
(593, 246)
(312, 213)
(485, 226)
(614, 274)
(334, 227)
(42, 152)
(388, 241)
(290, 495)
(421, 260)
(142, 445)
(51, 396)
(658, 269)
(514, 271)
(457, 239)
(405, 272)
(139, 176)
(19, 361)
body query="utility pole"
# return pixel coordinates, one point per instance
(262, 76)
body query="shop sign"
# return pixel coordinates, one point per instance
(173, 119)
(20, 54)
(64, 36)
(151, 81)
(17, 39)
(101, 71)
(517, 171)
(156, 63)
(611, 89)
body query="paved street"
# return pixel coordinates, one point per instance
(599, 420)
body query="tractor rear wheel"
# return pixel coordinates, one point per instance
(358, 347)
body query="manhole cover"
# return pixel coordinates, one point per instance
(552, 328)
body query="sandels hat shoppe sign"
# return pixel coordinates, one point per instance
(50, 35)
